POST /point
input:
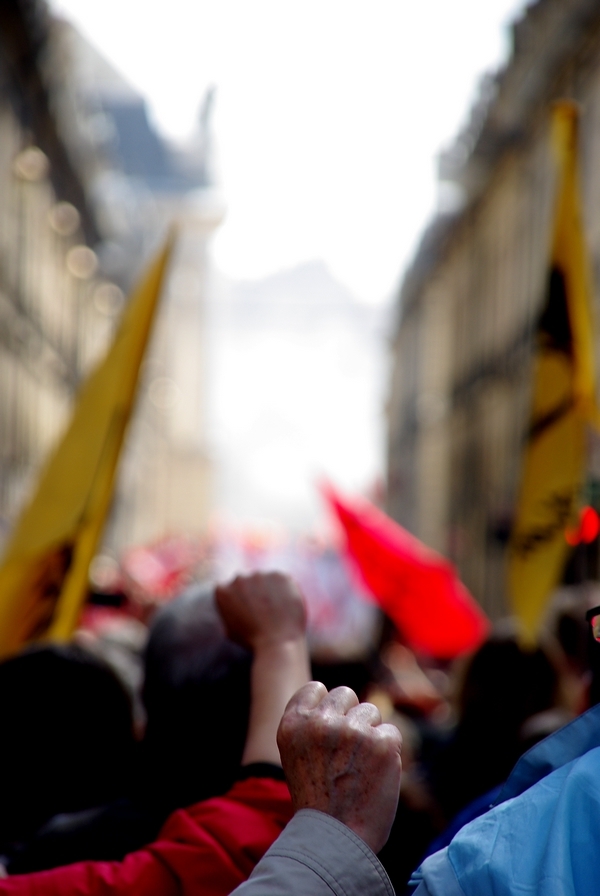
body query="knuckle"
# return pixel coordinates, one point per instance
(373, 712)
(388, 739)
(284, 732)
(325, 731)
(343, 691)
(320, 724)
(366, 714)
(288, 726)
(352, 734)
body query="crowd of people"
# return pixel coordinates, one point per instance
(199, 798)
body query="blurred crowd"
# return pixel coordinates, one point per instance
(146, 713)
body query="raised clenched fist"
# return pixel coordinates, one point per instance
(339, 758)
(262, 608)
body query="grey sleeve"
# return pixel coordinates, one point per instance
(317, 856)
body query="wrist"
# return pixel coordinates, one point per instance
(278, 644)
(287, 660)
(279, 668)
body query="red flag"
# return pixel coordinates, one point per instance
(418, 589)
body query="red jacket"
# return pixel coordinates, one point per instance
(207, 849)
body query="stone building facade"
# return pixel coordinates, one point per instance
(468, 306)
(87, 192)
(51, 326)
(141, 184)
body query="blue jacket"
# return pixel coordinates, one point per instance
(542, 836)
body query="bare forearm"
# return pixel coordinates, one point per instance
(279, 669)
(265, 612)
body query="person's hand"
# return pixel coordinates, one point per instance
(262, 609)
(339, 758)
(266, 613)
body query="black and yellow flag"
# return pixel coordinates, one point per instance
(44, 574)
(563, 398)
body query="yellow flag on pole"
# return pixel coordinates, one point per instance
(563, 398)
(44, 574)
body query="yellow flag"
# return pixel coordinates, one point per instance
(563, 398)
(44, 574)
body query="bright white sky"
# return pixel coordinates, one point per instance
(329, 114)
(329, 117)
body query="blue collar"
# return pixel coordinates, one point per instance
(568, 743)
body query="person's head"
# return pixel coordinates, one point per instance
(505, 684)
(197, 697)
(66, 736)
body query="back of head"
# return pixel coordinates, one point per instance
(503, 686)
(197, 696)
(67, 737)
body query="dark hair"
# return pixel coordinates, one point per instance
(197, 696)
(503, 686)
(66, 736)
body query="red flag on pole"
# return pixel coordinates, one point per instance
(418, 589)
